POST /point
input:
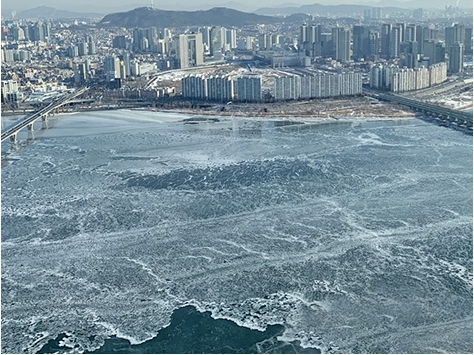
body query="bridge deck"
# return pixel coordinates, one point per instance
(29, 119)
(461, 116)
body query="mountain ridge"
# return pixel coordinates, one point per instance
(150, 17)
(53, 13)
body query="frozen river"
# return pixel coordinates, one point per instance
(348, 237)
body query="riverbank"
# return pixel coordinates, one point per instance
(313, 110)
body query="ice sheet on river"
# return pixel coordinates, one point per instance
(355, 238)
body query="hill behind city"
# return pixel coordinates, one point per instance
(217, 16)
(47, 12)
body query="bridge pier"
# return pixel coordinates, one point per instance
(13, 139)
(31, 134)
(44, 120)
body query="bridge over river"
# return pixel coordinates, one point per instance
(43, 113)
(456, 117)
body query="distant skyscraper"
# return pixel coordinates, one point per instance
(217, 41)
(127, 64)
(46, 31)
(83, 48)
(341, 38)
(418, 13)
(385, 40)
(454, 34)
(440, 53)
(468, 41)
(312, 43)
(231, 38)
(419, 38)
(119, 42)
(394, 42)
(112, 67)
(206, 35)
(456, 58)
(374, 44)
(91, 47)
(37, 32)
(302, 37)
(264, 41)
(361, 42)
(410, 33)
(376, 13)
(190, 50)
(72, 51)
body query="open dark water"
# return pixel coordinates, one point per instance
(135, 232)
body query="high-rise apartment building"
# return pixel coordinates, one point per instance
(217, 41)
(112, 67)
(220, 88)
(341, 38)
(456, 52)
(190, 50)
(397, 79)
(385, 33)
(317, 86)
(361, 43)
(194, 87)
(454, 34)
(468, 41)
(249, 88)
(231, 38)
(394, 42)
(264, 41)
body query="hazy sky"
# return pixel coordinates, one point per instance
(109, 6)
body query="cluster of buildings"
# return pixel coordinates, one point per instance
(286, 86)
(417, 54)
(395, 79)
(182, 50)
(411, 44)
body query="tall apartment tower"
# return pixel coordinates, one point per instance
(456, 58)
(397, 35)
(454, 34)
(468, 41)
(217, 41)
(112, 67)
(302, 38)
(264, 41)
(394, 42)
(341, 38)
(190, 50)
(313, 40)
(361, 42)
(220, 88)
(410, 33)
(127, 64)
(231, 38)
(386, 30)
(194, 87)
(249, 88)
(374, 44)
(206, 35)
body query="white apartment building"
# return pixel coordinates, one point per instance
(249, 88)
